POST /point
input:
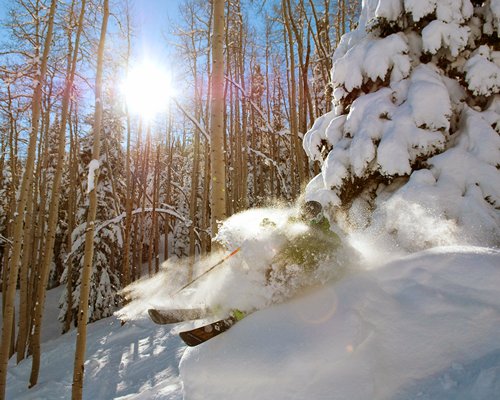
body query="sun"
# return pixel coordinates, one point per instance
(147, 89)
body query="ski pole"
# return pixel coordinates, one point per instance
(210, 269)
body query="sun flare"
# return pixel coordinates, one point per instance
(147, 89)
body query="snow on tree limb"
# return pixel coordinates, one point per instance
(416, 119)
(79, 239)
(93, 167)
(193, 120)
(482, 73)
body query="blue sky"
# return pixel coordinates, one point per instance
(152, 19)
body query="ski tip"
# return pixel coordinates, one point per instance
(191, 340)
(200, 335)
(154, 315)
(151, 311)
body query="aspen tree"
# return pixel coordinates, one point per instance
(13, 163)
(288, 114)
(129, 193)
(253, 141)
(233, 130)
(137, 239)
(322, 39)
(12, 139)
(8, 319)
(153, 242)
(322, 64)
(142, 216)
(193, 206)
(205, 218)
(299, 154)
(218, 178)
(54, 208)
(272, 146)
(30, 265)
(169, 148)
(206, 201)
(240, 72)
(195, 172)
(156, 199)
(24, 309)
(73, 170)
(81, 339)
(340, 26)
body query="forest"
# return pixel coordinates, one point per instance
(61, 106)
(384, 111)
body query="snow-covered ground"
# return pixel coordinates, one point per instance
(422, 326)
(138, 360)
(379, 323)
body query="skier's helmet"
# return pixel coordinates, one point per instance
(310, 210)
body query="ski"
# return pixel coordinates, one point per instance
(200, 335)
(163, 317)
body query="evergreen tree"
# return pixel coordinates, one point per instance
(181, 166)
(416, 97)
(257, 138)
(105, 279)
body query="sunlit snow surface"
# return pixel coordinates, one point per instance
(136, 361)
(421, 326)
(393, 325)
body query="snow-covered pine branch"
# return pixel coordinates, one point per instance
(415, 128)
(79, 239)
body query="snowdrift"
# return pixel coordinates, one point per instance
(424, 326)
(421, 326)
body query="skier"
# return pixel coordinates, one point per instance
(294, 266)
(300, 257)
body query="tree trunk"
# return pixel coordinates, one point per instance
(142, 217)
(81, 339)
(53, 210)
(129, 194)
(156, 225)
(24, 303)
(218, 204)
(168, 195)
(73, 171)
(8, 319)
(293, 99)
(154, 215)
(137, 244)
(193, 201)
